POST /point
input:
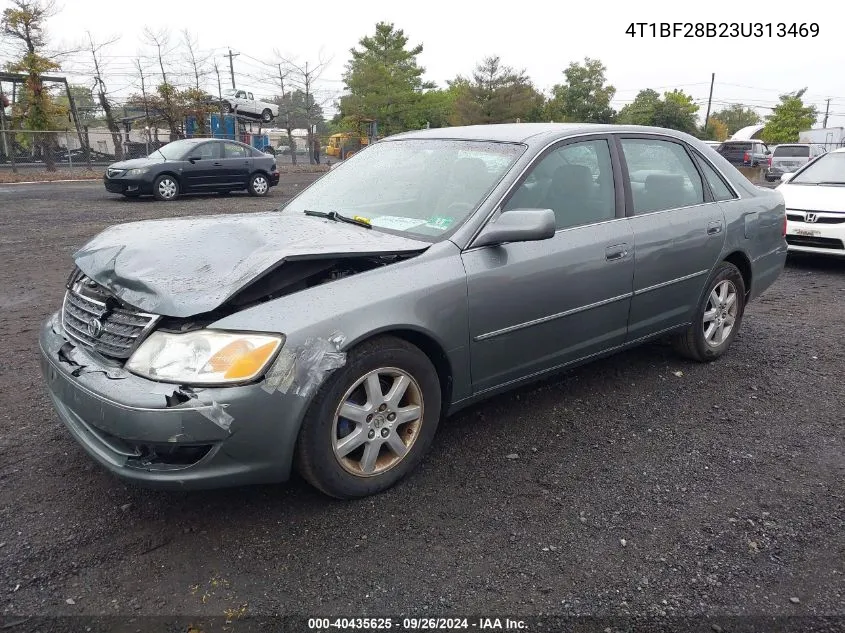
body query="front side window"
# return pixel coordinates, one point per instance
(421, 188)
(575, 181)
(662, 175)
(205, 151)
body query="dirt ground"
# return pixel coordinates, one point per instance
(641, 484)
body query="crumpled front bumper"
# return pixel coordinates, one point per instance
(163, 435)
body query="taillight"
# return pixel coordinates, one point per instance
(770, 161)
(746, 158)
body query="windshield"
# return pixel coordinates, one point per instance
(800, 151)
(828, 168)
(230, 92)
(735, 146)
(172, 151)
(418, 188)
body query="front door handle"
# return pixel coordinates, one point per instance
(616, 252)
(714, 228)
(217, 164)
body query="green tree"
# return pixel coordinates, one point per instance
(495, 94)
(736, 117)
(716, 130)
(24, 24)
(641, 111)
(584, 97)
(385, 81)
(676, 110)
(788, 118)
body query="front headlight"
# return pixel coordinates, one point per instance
(204, 357)
(140, 171)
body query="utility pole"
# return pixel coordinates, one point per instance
(826, 112)
(231, 56)
(709, 101)
(221, 125)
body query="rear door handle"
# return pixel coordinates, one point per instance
(714, 228)
(217, 164)
(616, 252)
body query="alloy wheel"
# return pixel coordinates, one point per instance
(377, 422)
(720, 313)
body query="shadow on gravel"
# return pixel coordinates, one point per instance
(806, 261)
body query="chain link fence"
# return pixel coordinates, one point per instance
(95, 148)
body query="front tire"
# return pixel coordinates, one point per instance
(717, 318)
(259, 185)
(267, 116)
(372, 421)
(166, 188)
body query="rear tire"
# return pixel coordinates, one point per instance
(371, 449)
(717, 317)
(166, 188)
(259, 185)
(267, 116)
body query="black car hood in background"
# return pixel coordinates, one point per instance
(186, 266)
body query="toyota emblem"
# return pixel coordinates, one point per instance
(95, 328)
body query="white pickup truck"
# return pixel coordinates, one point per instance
(248, 105)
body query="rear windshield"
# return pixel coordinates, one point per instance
(802, 151)
(734, 146)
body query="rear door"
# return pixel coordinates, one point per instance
(678, 227)
(236, 164)
(536, 306)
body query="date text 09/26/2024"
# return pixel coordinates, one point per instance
(723, 29)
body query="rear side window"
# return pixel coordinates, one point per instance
(721, 190)
(233, 150)
(662, 175)
(800, 151)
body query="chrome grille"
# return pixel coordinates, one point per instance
(92, 318)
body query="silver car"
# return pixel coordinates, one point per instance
(790, 157)
(432, 270)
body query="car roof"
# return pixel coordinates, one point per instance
(529, 133)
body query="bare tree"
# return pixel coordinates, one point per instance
(303, 76)
(102, 92)
(160, 40)
(197, 60)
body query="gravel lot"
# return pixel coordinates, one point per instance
(641, 484)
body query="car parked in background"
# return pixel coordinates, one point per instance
(789, 157)
(750, 153)
(428, 272)
(244, 103)
(194, 166)
(815, 205)
(713, 144)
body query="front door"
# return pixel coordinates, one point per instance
(535, 306)
(202, 167)
(679, 232)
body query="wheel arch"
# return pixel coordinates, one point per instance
(743, 263)
(429, 346)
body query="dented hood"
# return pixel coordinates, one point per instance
(185, 266)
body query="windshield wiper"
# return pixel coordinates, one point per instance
(337, 217)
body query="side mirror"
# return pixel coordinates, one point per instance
(519, 225)
(786, 177)
(194, 159)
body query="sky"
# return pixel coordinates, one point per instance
(541, 37)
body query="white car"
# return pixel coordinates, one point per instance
(245, 103)
(815, 205)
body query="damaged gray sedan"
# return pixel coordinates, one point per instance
(428, 272)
